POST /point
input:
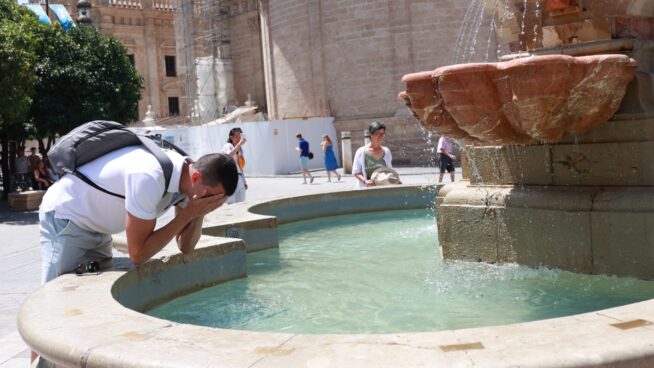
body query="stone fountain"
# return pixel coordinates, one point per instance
(558, 135)
(555, 177)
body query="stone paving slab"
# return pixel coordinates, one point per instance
(20, 259)
(12, 345)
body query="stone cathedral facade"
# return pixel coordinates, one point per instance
(305, 58)
(292, 58)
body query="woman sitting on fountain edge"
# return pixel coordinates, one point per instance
(372, 156)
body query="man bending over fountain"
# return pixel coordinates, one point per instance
(77, 220)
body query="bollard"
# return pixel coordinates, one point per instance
(346, 151)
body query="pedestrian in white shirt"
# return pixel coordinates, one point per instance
(445, 158)
(234, 148)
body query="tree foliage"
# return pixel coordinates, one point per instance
(82, 76)
(18, 44)
(19, 41)
(52, 81)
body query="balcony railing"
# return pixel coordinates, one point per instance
(161, 5)
(127, 4)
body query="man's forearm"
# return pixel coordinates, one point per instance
(144, 242)
(188, 238)
(156, 240)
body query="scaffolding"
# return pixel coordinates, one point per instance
(203, 41)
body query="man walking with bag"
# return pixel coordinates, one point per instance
(305, 156)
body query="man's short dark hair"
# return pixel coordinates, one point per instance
(218, 168)
(375, 126)
(299, 135)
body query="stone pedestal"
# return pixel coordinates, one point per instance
(585, 204)
(24, 201)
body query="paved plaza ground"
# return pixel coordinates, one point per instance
(20, 259)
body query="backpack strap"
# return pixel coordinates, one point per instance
(157, 152)
(88, 181)
(162, 157)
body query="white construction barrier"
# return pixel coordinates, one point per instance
(270, 147)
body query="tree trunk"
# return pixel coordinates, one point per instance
(43, 150)
(6, 176)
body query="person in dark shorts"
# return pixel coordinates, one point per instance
(305, 156)
(445, 158)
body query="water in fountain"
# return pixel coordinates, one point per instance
(538, 15)
(522, 24)
(381, 273)
(463, 32)
(493, 26)
(479, 22)
(465, 49)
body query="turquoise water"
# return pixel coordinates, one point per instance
(382, 272)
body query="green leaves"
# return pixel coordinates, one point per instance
(18, 43)
(52, 81)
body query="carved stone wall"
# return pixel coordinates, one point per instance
(296, 58)
(145, 27)
(245, 35)
(346, 59)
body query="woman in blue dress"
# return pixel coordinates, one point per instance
(330, 159)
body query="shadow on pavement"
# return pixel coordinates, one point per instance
(10, 217)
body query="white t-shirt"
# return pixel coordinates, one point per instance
(131, 171)
(445, 144)
(239, 193)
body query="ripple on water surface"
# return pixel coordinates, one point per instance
(382, 272)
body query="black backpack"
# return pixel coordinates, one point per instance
(96, 138)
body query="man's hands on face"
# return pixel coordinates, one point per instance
(202, 203)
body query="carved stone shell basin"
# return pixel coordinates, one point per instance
(526, 100)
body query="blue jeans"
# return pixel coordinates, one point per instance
(65, 245)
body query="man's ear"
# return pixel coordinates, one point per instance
(196, 176)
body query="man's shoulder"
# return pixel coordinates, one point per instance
(132, 159)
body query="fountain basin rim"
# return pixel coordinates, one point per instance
(118, 336)
(614, 46)
(525, 61)
(75, 321)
